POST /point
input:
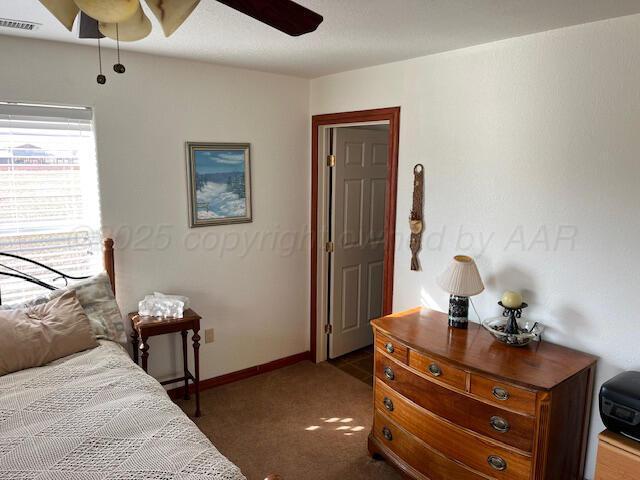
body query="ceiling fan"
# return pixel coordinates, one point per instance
(125, 20)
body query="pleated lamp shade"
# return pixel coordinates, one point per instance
(461, 278)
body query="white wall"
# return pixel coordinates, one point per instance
(258, 302)
(535, 135)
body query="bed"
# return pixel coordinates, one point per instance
(97, 415)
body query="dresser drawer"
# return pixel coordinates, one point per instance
(418, 455)
(504, 394)
(438, 369)
(502, 425)
(391, 347)
(452, 441)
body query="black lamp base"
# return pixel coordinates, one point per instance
(458, 311)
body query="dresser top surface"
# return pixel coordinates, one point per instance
(539, 365)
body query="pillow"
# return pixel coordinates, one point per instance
(37, 335)
(96, 297)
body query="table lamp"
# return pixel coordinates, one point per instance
(461, 280)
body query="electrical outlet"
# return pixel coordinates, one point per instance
(208, 335)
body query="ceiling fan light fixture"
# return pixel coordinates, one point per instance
(109, 11)
(136, 27)
(65, 11)
(172, 13)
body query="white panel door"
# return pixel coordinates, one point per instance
(359, 186)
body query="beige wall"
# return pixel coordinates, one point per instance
(524, 141)
(256, 301)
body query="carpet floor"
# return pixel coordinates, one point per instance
(303, 422)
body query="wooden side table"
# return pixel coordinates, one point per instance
(144, 327)
(618, 457)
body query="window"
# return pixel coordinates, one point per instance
(49, 198)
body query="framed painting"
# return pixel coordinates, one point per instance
(219, 177)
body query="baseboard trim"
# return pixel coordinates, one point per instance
(242, 374)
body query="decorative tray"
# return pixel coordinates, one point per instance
(527, 331)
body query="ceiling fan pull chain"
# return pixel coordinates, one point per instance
(118, 67)
(101, 78)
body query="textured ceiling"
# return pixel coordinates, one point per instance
(354, 34)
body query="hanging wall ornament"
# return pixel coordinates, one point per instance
(109, 11)
(137, 27)
(172, 13)
(416, 219)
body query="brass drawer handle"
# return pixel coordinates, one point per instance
(435, 370)
(389, 348)
(388, 404)
(499, 424)
(497, 463)
(389, 373)
(386, 433)
(500, 393)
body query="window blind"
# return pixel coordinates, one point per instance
(49, 197)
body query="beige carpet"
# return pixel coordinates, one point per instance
(304, 422)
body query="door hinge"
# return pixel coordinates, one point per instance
(328, 329)
(329, 247)
(331, 160)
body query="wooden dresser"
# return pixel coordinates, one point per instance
(618, 457)
(454, 404)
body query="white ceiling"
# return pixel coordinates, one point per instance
(354, 34)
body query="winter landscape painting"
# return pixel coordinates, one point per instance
(219, 183)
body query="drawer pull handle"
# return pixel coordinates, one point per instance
(386, 433)
(389, 348)
(389, 373)
(500, 424)
(500, 393)
(388, 404)
(497, 463)
(435, 370)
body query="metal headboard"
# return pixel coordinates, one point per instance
(16, 273)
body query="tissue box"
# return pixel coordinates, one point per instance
(164, 306)
(182, 298)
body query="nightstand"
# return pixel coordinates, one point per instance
(618, 457)
(144, 327)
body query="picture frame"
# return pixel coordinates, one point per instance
(219, 183)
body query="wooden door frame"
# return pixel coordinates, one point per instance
(392, 115)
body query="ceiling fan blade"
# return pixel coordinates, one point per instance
(65, 11)
(284, 15)
(89, 27)
(172, 13)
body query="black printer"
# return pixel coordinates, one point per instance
(620, 404)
